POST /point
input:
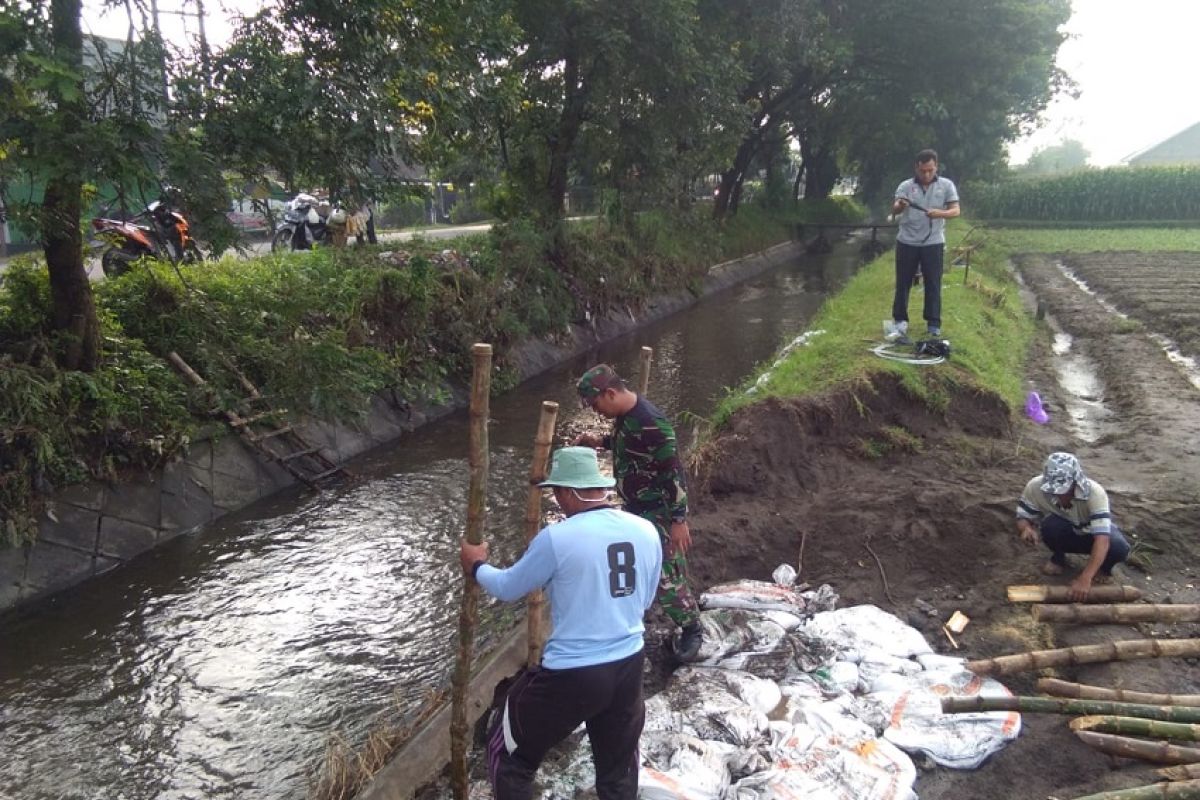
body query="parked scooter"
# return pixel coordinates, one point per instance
(306, 222)
(164, 235)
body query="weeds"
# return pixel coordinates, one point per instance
(344, 771)
(319, 333)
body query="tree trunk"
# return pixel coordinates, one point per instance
(731, 179)
(820, 169)
(562, 143)
(73, 308)
(1058, 688)
(1051, 705)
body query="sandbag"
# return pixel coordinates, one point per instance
(959, 741)
(709, 704)
(819, 767)
(864, 629)
(677, 766)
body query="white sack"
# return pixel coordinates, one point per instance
(960, 741)
(865, 629)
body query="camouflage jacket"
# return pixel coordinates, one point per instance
(646, 462)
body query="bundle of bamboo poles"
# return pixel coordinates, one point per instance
(1119, 722)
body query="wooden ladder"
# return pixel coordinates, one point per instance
(263, 429)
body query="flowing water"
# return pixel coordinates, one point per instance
(218, 665)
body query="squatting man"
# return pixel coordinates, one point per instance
(600, 568)
(1073, 516)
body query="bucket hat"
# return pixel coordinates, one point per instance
(595, 381)
(1060, 472)
(577, 468)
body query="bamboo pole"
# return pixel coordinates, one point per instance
(1055, 705)
(643, 384)
(1183, 772)
(1058, 594)
(1180, 790)
(1101, 614)
(1154, 752)
(1053, 686)
(1135, 726)
(536, 603)
(481, 384)
(1087, 654)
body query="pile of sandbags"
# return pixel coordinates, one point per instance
(793, 698)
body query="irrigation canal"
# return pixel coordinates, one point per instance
(218, 665)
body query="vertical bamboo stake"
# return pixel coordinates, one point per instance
(536, 604)
(481, 384)
(643, 383)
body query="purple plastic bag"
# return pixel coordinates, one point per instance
(1034, 409)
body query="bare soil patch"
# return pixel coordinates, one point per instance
(933, 496)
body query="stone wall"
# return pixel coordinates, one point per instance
(92, 528)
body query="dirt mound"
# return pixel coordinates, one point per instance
(894, 501)
(874, 469)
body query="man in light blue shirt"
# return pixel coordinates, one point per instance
(923, 204)
(600, 570)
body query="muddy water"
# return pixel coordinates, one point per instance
(217, 666)
(1083, 390)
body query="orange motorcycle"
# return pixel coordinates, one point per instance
(158, 232)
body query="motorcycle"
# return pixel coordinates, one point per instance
(306, 222)
(165, 235)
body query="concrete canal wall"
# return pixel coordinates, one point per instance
(95, 527)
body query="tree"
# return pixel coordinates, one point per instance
(1068, 154)
(41, 70)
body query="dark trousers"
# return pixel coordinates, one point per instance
(928, 259)
(1062, 538)
(543, 707)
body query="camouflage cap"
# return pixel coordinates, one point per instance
(595, 381)
(1061, 471)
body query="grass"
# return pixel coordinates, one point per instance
(321, 333)
(1080, 240)
(982, 317)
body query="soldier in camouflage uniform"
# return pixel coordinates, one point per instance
(650, 479)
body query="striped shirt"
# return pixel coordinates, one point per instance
(1090, 515)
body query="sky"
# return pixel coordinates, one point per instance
(1134, 64)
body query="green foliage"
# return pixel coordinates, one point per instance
(59, 426)
(318, 332)
(1101, 195)
(1067, 155)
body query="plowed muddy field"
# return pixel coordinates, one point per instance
(834, 483)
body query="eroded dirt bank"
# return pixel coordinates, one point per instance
(932, 495)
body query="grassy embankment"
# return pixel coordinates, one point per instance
(982, 317)
(320, 333)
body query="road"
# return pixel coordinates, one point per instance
(262, 248)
